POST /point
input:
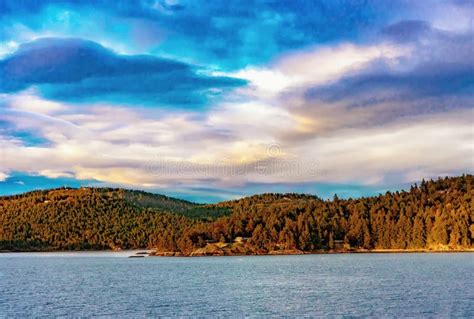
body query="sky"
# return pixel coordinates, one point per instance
(215, 100)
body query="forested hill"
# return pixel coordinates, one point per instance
(436, 215)
(95, 218)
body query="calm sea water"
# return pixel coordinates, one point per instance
(110, 285)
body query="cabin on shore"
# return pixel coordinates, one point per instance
(339, 244)
(241, 240)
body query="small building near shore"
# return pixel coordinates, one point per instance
(240, 240)
(339, 244)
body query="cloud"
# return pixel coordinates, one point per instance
(428, 80)
(427, 145)
(438, 67)
(266, 96)
(372, 114)
(79, 70)
(29, 101)
(3, 176)
(330, 88)
(228, 35)
(185, 150)
(407, 30)
(317, 66)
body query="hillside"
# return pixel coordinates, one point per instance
(95, 218)
(436, 215)
(159, 202)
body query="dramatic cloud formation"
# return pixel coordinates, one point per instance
(210, 103)
(78, 70)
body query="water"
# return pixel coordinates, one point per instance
(103, 284)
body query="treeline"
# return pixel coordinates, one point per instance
(434, 215)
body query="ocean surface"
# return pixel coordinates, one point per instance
(111, 285)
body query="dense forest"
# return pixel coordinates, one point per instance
(96, 218)
(434, 215)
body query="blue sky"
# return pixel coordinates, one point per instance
(216, 100)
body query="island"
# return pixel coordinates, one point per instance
(436, 215)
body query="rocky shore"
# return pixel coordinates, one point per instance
(241, 249)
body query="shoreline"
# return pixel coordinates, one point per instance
(77, 251)
(153, 253)
(292, 253)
